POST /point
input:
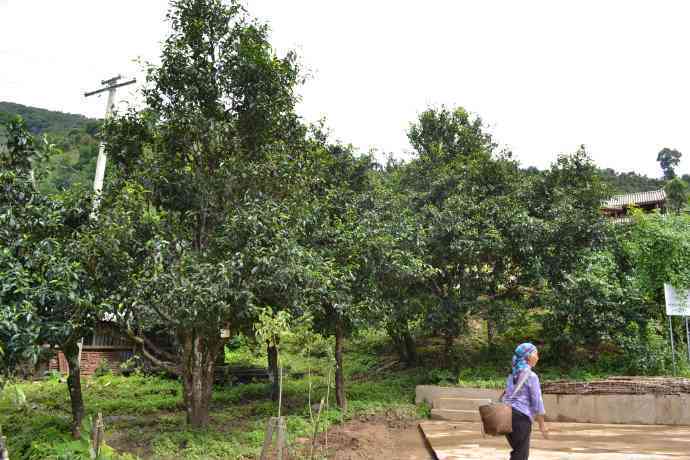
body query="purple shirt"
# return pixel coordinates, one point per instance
(528, 400)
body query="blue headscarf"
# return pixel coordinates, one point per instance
(520, 358)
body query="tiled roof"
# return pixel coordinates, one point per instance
(639, 198)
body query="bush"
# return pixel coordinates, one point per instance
(442, 377)
(102, 369)
(65, 448)
(17, 397)
(133, 365)
(424, 410)
(52, 375)
(644, 352)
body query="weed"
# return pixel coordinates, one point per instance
(442, 377)
(424, 410)
(102, 369)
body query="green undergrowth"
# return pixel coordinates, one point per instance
(145, 418)
(475, 364)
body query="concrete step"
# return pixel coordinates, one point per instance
(456, 415)
(461, 403)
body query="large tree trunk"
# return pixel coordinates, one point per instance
(411, 349)
(399, 344)
(490, 332)
(199, 353)
(448, 342)
(273, 373)
(339, 375)
(71, 352)
(405, 346)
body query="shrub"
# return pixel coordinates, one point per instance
(102, 369)
(424, 410)
(133, 365)
(17, 397)
(644, 352)
(442, 377)
(52, 375)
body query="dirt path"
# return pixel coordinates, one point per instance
(409, 444)
(377, 438)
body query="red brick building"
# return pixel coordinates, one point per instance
(105, 347)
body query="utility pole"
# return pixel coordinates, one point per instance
(111, 86)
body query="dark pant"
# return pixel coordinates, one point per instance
(519, 438)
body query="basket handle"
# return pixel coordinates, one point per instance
(523, 379)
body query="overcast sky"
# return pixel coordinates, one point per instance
(545, 76)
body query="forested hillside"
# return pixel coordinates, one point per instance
(41, 120)
(629, 182)
(74, 137)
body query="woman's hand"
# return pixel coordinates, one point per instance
(544, 431)
(542, 426)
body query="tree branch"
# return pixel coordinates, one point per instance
(173, 369)
(144, 342)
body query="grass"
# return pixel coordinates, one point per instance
(145, 419)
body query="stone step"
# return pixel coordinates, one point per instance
(461, 403)
(455, 415)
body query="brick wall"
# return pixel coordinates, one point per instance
(91, 357)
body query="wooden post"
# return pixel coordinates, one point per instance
(328, 391)
(280, 442)
(4, 455)
(97, 435)
(280, 392)
(267, 440)
(316, 430)
(275, 425)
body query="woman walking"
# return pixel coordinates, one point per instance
(523, 393)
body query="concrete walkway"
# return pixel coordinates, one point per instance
(568, 441)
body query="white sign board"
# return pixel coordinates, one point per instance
(677, 302)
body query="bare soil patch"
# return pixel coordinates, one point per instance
(383, 437)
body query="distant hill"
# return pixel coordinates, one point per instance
(74, 136)
(629, 182)
(620, 183)
(40, 121)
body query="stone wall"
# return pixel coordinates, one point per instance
(646, 409)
